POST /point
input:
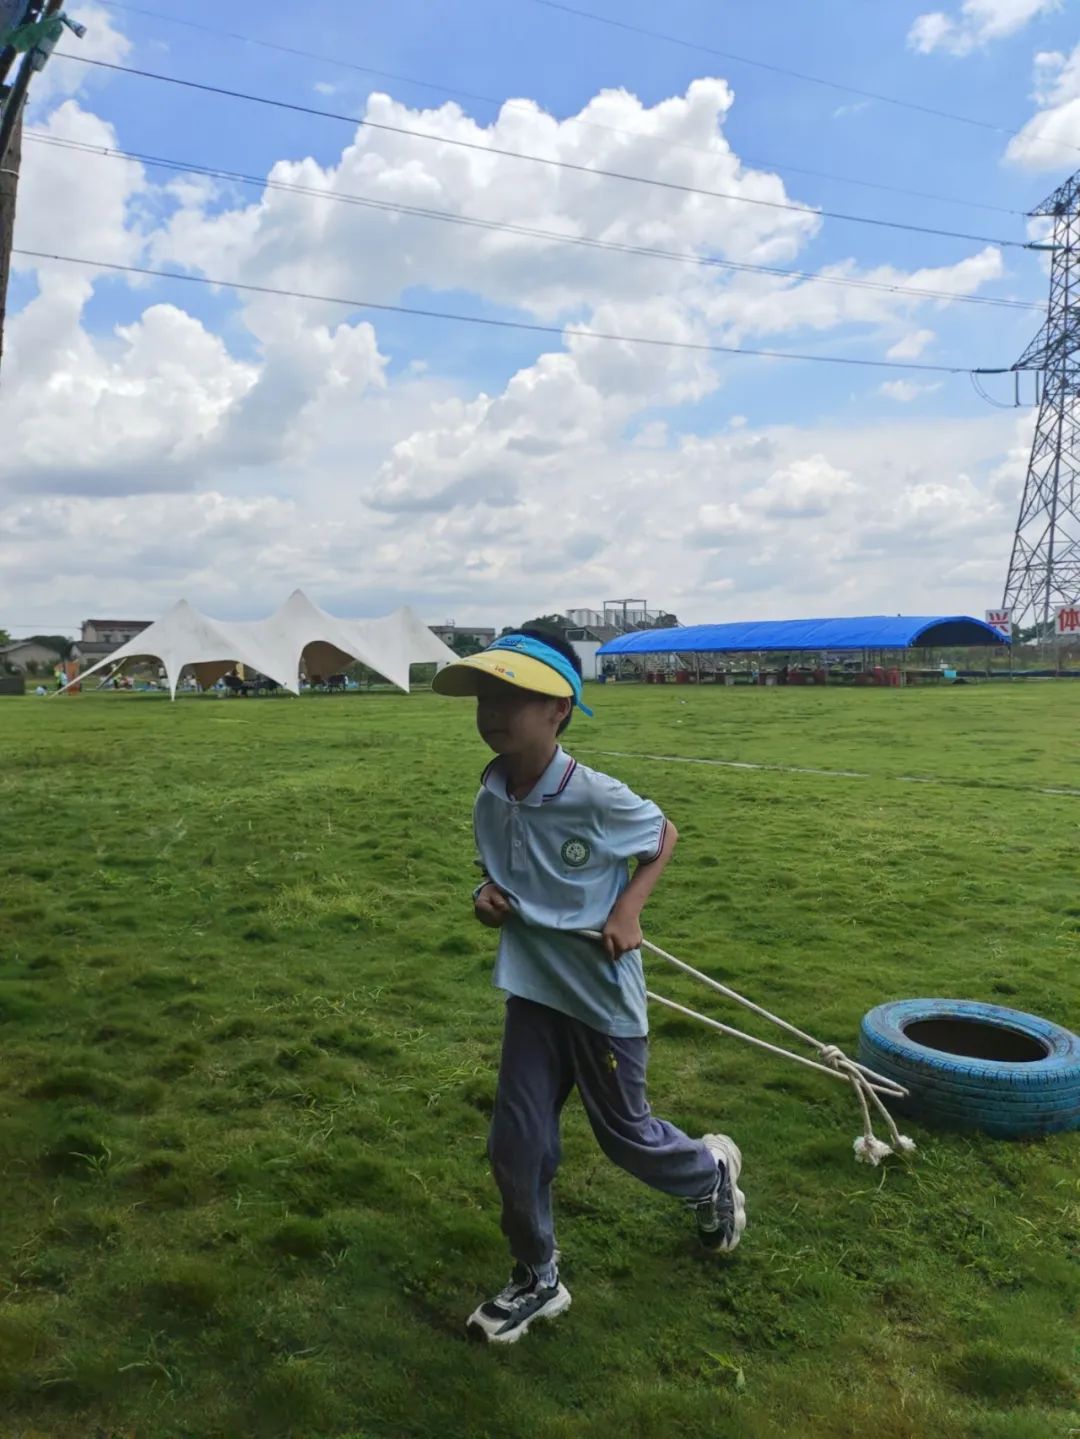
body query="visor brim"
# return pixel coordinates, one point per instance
(462, 678)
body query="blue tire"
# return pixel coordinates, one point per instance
(974, 1066)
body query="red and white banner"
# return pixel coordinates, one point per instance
(1000, 620)
(1067, 622)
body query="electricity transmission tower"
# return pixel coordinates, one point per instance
(1044, 571)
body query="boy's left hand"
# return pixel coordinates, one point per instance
(622, 932)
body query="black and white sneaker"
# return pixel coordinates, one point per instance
(721, 1216)
(504, 1319)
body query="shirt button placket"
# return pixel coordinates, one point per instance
(517, 847)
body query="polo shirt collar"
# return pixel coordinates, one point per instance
(549, 786)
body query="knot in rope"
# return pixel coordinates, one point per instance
(868, 1148)
(868, 1085)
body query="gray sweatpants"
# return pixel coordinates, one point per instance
(545, 1053)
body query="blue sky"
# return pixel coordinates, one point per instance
(519, 48)
(339, 466)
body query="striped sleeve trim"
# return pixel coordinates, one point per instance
(659, 845)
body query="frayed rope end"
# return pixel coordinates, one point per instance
(869, 1150)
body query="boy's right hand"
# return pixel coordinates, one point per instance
(491, 906)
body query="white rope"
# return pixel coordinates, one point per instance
(867, 1084)
(895, 1091)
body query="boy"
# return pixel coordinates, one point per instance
(554, 840)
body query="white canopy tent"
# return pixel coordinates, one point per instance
(298, 633)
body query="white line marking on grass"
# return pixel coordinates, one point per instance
(832, 773)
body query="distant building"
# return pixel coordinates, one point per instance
(586, 640)
(578, 634)
(112, 632)
(478, 634)
(101, 637)
(588, 629)
(22, 655)
(619, 615)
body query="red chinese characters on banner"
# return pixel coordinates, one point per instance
(1068, 620)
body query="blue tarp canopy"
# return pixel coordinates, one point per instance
(870, 632)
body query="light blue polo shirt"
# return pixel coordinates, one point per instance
(562, 856)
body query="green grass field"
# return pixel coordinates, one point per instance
(248, 1047)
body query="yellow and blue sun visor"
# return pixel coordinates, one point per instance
(519, 660)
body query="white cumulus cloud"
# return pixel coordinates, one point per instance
(976, 23)
(904, 391)
(271, 442)
(1051, 138)
(910, 346)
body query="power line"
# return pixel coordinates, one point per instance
(759, 164)
(786, 70)
(561, 330)
(531, 232)
(527, 106)
(1015, 404)
(474, 145)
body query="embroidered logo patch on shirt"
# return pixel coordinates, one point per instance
(575, 853)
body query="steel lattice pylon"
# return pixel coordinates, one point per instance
(1044, 570)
